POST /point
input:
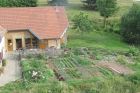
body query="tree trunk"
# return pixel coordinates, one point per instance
(105, 22)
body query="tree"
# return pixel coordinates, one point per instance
(18, 3)
(106, 8)
(27, 3)
(89, 3)
(7, 3)
(82, 23)
(130, 25)
(57, 2)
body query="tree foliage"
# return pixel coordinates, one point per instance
(106, 8)
(130, 25)
(57, 2)
(82, 23)
(18, 3)
(89, 3)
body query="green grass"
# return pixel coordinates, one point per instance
(96, 40)
(76, 6)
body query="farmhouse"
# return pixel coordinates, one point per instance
(34, 27)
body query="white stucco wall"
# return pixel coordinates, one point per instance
(2, 45)
(2, 48)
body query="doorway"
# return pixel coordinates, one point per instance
(10, 45)
(18, 44)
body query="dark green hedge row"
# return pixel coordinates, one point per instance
(18, 3)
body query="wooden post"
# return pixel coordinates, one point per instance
(31, 41)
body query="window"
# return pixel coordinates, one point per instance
(28, 43)
(35, 43)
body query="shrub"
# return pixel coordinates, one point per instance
(121, 59)
(4, 62)
(130, 25)
(18, 3)
(113, 26)
(26, 3)
(29, 56)
(89, 3)
(133, 51)
(135, 78)
(82, 23)
(57, 2)
(42, 56)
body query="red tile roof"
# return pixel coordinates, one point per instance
(44, 22)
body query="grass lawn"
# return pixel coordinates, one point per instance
(76, 6)
(97, 39)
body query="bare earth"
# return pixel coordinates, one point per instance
(115, 67)
(11, 72)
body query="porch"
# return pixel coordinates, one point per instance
(23, 39)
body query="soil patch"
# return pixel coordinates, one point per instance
(115, 67)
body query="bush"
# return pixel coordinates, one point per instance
(121, 59)
(135, 78)
(82, 23)
(130, 25)
(4, 62)
(26, 3)
(18, 3)
(113, 26)
(41, 56)
(57, 2)
(91, 4)
(133, 51)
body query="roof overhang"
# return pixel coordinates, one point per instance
(64, 32)
(38, 36)
(26, 30)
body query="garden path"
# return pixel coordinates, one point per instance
(12, 72)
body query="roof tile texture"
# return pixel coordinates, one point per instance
(44, 22)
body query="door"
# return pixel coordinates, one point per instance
(43, 44)
(18, 44)
(10, 45)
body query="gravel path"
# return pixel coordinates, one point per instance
(12, 72)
